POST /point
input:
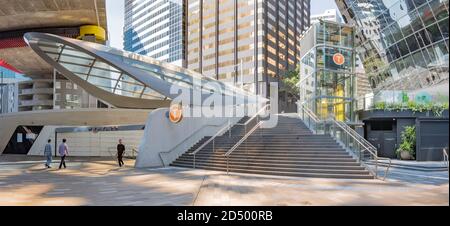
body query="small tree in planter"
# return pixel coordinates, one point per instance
(407, 149)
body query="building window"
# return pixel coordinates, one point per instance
(58, 85)
(69, 85)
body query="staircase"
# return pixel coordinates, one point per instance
(290, 149)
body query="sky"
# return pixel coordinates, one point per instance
(115, 11)
(115, 14)
(320, 6)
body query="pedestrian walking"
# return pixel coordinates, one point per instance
(120, 151)
(63, 150)
(48, 153)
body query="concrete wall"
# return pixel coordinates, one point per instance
(88, 143)
(172, 140)
(60, 118)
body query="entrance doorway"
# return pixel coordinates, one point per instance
(382, 134)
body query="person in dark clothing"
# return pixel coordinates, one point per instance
(120, 151)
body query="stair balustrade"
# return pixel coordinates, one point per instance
(362, 149)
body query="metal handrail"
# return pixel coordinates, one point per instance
(113, 154)
(249, 133)
(357, 136)
(187, 138)
(251, 119)
(367, 146)
(228, 127)
(445, 153)
(372, 150)
(220, 132)
(311, 114)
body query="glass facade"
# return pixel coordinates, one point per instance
(155, 28)
(403, 44)
(327, 70)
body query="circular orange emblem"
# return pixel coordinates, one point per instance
(176, 113)
(338, 59)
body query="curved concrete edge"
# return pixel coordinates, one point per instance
(80, 117)
(164, 141)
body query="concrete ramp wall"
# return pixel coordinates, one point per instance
(163, 141)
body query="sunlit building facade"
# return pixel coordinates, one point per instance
(247, 42)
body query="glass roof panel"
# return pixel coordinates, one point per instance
(75, 68)
(76, 53)
(151, 94)
(102, 65)
(128, 93)
(82, 76)
(106, 74)
(129, 79)
(97, 81)
(53, 49)
(76, 60)
(130, 87)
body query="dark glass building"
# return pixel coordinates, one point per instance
(404, 45)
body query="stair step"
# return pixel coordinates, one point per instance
(272, 151)
(283, 169)
(290, 174)
(279, 158)
(275, 164)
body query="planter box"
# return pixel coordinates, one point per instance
(399, 114)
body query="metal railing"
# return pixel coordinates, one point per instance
(445, 154)
(362, 149)
(246, 134)
(127, 154)
(187, 138)
(212, 139)
(223, 130)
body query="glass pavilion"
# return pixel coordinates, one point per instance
(327, 70)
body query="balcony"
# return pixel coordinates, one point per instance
(36, 91)
(29, 103)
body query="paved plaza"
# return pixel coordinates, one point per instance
(101, 182)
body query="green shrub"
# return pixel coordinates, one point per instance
(437, 108)
(408, 141)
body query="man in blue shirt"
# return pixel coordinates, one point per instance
(48, 153)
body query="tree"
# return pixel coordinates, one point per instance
(290, 82)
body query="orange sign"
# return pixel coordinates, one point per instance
(176, 113)
(339, 59)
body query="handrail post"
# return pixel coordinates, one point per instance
(376, 167)
(228, 168)
(214, 145)
(229, 128)
(194, 161)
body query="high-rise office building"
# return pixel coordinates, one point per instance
(328, 15)
(247, 42)
(155, 28)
